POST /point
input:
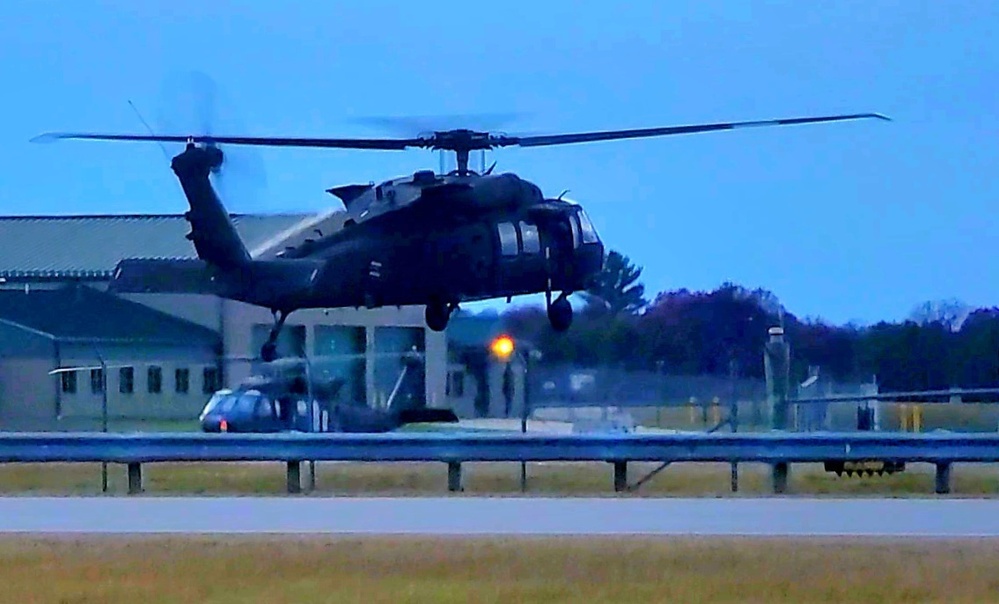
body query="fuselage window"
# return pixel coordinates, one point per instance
(264, 409)
(508, 238)
(529, 235)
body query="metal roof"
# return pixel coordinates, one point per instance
(83, 314)
(89, 247)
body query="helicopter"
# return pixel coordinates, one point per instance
(426, 239)
(291, 395)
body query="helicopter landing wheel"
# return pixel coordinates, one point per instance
(438, 314)
(560, 314)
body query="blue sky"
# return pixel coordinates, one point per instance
(853, 221)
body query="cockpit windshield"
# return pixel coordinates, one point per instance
(588, 231)
(213, 402)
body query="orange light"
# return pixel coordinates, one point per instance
(502, 347)
(223, 426)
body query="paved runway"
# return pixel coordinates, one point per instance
(502, 516)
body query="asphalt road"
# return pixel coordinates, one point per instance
(502, 516)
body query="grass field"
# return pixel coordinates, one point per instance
(559, 479)
(273, 570)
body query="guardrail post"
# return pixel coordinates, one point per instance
(620, 476)
(943, 478)
(780, 471)
(134, 478)
(294, 477)
(454, 476)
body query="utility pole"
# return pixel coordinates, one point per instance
(104, 414)
(776, 363)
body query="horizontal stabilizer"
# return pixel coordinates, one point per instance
(163, 275)
(426, 415)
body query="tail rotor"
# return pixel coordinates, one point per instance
(192, 103)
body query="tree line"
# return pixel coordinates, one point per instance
(723, 331)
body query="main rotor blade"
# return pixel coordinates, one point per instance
(333, 143)
(587, 137)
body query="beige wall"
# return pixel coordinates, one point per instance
(27, 392)
(30, 398)
(140, 403)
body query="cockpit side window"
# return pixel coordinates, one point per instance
(264, 408)
(508, 238)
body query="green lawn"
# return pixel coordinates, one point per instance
(399, 570)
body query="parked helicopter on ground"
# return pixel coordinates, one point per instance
(285, 395)
(426, 239)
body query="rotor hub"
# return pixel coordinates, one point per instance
(461, 140)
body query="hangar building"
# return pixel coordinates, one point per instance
(164, 353)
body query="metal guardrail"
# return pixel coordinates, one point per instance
(902, 397)
(777, 449)
(479, 447)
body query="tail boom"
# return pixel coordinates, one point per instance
(276, 284)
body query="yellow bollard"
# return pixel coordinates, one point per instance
(917, 417)
(903, 417)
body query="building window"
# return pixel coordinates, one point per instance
(508, 238)
(210, 381)
(529, 235)
(182, 380)
(68, 381)
(96, 381)
(154, 379)
(126, 380)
